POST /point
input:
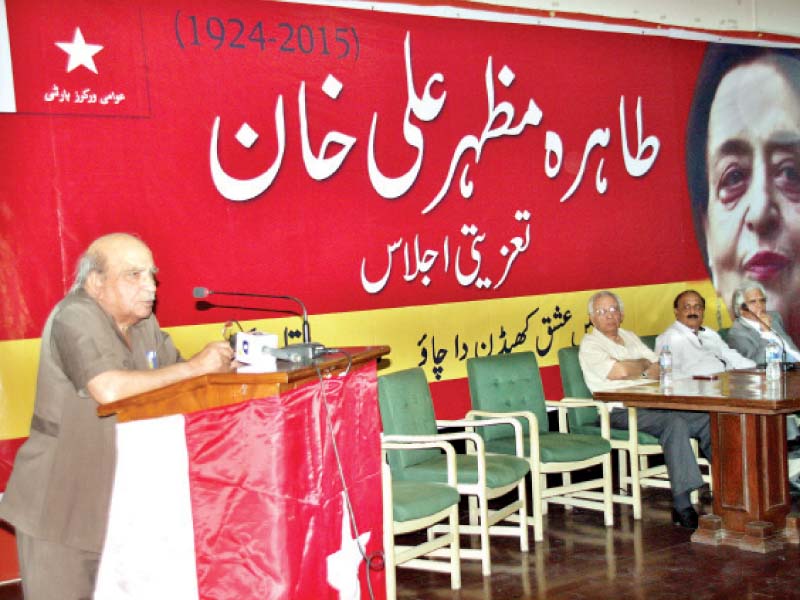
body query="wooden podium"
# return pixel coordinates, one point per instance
(233, 485)
(211, 391)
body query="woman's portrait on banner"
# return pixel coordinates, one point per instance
(743, 170)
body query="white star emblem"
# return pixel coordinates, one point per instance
(80, 53)
(343, 565)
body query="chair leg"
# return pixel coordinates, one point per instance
(608, 491)
(536, 498)
(472, 502)
(543, 486)
(455, 551)
(694, 496)
(523, 516)
(622, 461)
(566, 479)
(389, 564)
(636, 488)
(486, 557)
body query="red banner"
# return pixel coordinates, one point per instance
(354, 159)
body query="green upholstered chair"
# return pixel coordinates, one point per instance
(407, 409)
(511, 384)
(649, 341)
(632, 445)
(415, 505)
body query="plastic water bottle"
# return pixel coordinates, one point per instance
(665, 365)
(773, 353)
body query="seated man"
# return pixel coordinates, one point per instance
(611, 358)
(755, 326)
(750, 333)
(697, 350)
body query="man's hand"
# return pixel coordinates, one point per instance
(629, 369)
(653, 371)
(216, 357)
(109, 386)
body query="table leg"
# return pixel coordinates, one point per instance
(751, 488)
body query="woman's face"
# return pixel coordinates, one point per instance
(753, 221)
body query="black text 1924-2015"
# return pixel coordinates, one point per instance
(218, 33)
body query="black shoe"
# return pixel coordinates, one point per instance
(685, 518)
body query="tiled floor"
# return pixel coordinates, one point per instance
(581, 559)
(650, 559)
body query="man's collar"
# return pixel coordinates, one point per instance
(750, 322)
(687, 328)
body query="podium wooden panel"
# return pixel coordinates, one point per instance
(221, 389)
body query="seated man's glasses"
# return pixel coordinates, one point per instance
(612, 310)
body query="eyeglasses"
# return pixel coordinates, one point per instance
(757, 301)
(612, 310)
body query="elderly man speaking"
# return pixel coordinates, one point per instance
(101, 343)
(612, 358)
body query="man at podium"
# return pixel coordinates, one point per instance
(100, 343)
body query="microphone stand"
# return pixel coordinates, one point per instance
(302, 353)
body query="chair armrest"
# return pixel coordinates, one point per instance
(576, 403)
(481, 418)
(566, 403)
(418, 442)
(488, 417)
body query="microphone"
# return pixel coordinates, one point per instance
(784, 365)
(298, 353)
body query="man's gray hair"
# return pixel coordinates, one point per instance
(739, 294)
(95, 259)
(90, 261)
(597, 295)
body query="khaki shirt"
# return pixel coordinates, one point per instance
(60, 487)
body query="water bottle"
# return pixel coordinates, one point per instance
(774, 354)
(665, 365)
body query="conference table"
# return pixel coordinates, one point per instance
(751, 500)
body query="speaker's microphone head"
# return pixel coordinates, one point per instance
(201, 292)
(744, 307)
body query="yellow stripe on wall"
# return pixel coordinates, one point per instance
(19, 360)
(439, 337)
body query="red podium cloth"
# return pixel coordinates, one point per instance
(267, 517)
(9, 568)
(8, 450)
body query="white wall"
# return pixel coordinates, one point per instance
(769, 16)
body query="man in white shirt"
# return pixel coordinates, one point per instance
(697, 350)
(612, 358)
